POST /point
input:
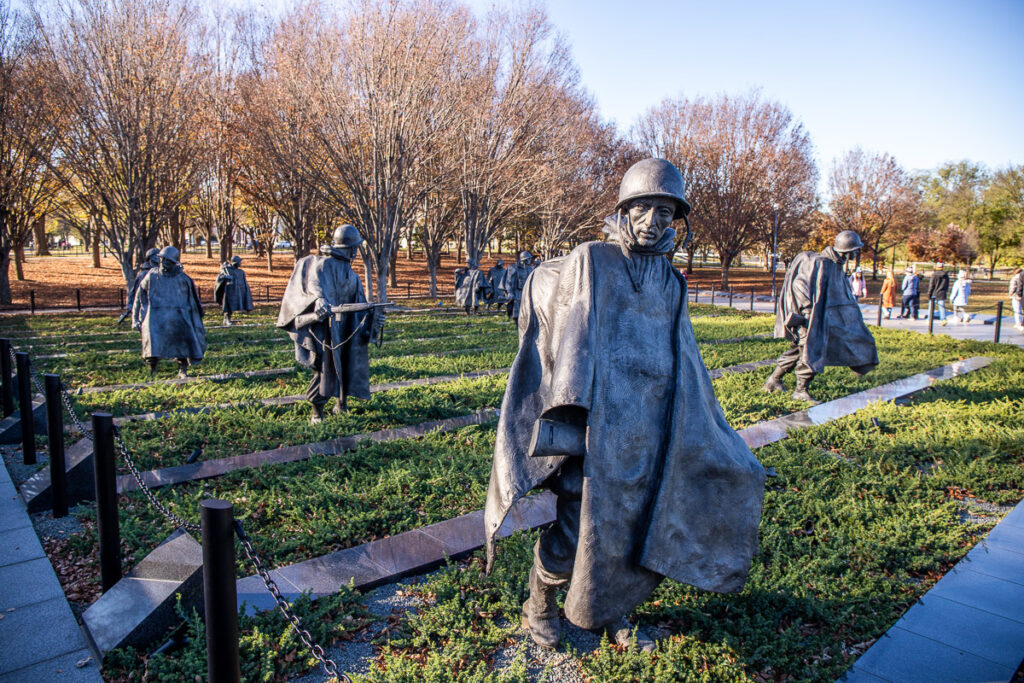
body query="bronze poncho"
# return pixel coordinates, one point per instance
(670, 490)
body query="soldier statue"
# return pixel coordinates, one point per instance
(496, 280)
(326, 315)
(471, 287)
(819, 315)
(515, 280)
(232, 290)
(609, 406)
(151, 261)
(168, 312)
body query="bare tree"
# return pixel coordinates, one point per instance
(873, 196)
(129, 83)
(27, 132)
(740, 156)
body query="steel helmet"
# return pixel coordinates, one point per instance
(171, 254)
(151, 254)
(525, 255)
(236, 259)
(654, 178)
(346, 236)
(847, 241)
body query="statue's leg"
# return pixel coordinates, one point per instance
(315, 397)
(785, 364)
(152, 365)
(341, 406)
(804, 375)
(554, 556)
(227, 318)
(182, 368)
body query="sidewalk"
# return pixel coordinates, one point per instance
(40, 640)
(977, 329)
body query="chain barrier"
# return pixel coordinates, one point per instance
(330, 667)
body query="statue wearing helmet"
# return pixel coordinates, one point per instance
(818, 313)
(609, 406)
(496, 284)
(335, 346)
(232, 289)
(151, 260)
(168, 312)
(471, 287)
(515, 281)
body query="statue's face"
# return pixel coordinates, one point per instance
(649, 218)
(342, 253)
(167, 265)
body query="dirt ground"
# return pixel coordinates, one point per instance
(54, 280)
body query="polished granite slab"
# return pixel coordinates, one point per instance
(215, 468)
(770, 431)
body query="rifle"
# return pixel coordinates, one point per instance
(377, 322)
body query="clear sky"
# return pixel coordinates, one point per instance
(926, 82)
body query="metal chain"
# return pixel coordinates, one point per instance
(318, 652)
(178, 521)
(66, 399)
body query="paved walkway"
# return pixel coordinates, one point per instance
(40, 640)
(968, 627)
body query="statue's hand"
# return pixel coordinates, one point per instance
(137, 325)
(321, 308)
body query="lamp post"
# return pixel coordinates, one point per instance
(775, 247)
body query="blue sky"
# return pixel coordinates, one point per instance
(924, 81)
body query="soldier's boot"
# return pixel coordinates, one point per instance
(227, 320)
(152, 365)
(774, 383)
(317, 415)
(182, 368)
(622, 634)
(540, 612)
(339, 408)
(801, 394)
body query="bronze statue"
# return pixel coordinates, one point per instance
(326, 315)
(471, 287)
(232, 290)
(151, 261)
(610, 407)
(819, 315)
(496, 279)
(167, 311)
(515, 280)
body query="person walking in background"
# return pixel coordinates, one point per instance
(889, 288)
(910, 289)
(938, 289)
(960, 294)
(858, 285)
(1016, 290)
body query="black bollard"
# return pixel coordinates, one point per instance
(730, 296)
(879, 310)
(268, 293)
(32, 301)
(999, 320)
(78, 299)
(107, 523)
(55, 435)
(7, 386)
(751, 299)
(931, 320)
(28, 426)
(696, 293)
(220, 598)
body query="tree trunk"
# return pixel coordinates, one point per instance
(432, 274)
(209, 245)
(393, 268)
(993, 256)
(39, 229)
(19, 260)
(689, 261)
(94, 228)
(726, 261)
(270, 259)
(368, 276)
(5, 276)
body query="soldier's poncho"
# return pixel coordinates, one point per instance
(232, 289)
(670, 490)
(496, 277)
(817, 294)
(515, 280)
(139, 277)
(470, 287)
(171, 316)
(341, 348)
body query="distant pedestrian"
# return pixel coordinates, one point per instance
(911, 290)
(959, 295)
(1016, 291)
(938, 289)
(889, 288)
(857, 284)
